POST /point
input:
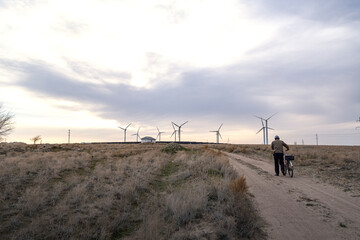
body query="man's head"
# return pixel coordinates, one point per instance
(277, 137)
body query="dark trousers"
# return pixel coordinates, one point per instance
(279, 158)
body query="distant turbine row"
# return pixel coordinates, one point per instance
(137, 133)
(264, 122)
(176, 131)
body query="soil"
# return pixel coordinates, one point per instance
(302, 207)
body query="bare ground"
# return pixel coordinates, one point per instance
(303, 207)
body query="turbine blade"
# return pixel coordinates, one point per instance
(184, 123)
(121, 128)
(220, 127)
(128, 126)
(157, 129)
(271, 116)
(175, 124)
(271, 128)
(259, 130)
(259, 117)
(220, 135)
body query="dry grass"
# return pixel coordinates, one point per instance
(238, 186)
(338, 165)
(84, 191)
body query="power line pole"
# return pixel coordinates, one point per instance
(317, 139)
(356, 129)
(69, 136)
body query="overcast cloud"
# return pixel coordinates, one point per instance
(152, 62)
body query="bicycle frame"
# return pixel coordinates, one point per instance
(288, 166)
(291, 164)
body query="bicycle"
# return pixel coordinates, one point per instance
(288, 165)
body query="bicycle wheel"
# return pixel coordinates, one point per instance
(291, 172)
(286, 167)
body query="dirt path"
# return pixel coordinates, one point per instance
(299, 207)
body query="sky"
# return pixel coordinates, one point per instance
(94, 65)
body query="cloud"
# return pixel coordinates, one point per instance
(188, 60)
(90, 73)
(328, 12)
(198, 94)
(127, 37)
(206, 93)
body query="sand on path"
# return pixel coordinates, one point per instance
(299, 207)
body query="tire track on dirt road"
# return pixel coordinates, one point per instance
(299, 207)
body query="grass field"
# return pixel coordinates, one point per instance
(114, 191)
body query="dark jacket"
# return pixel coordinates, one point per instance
(277, 145)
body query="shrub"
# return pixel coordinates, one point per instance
(239, 186)
(173, 148)
(186, 205)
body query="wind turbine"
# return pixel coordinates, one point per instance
(179, 128)
(159, 134)
(174, 132)
(262, 129)
(125, 131)
(266, 126)
(137, 135)
(218, 134)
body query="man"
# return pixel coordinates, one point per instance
(277, 145)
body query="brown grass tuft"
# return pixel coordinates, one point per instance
(239, 186)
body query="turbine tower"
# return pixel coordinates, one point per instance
(218, 134)
(179, 128)
(137, 135)
(266, 126)
(159, 134)
(125, 131)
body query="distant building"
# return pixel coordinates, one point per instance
(148, 140)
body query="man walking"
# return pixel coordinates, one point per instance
(277, 145)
